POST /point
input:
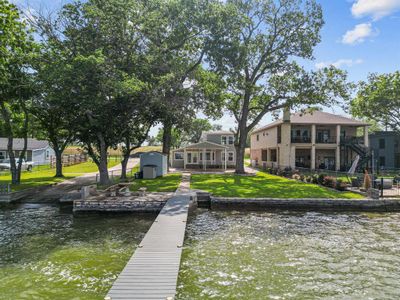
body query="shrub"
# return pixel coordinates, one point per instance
(340, 185)
(321, 178)
(302, 177)
(315, 179)
(309, 179)
(329, 181)
(287, 172)
(296, 177)
(269, 170)
(367, 181)
(279, 172)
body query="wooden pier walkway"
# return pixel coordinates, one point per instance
(152, 272)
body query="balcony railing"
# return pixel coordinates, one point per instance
(326, 140)
(301, 139)
(352, 140)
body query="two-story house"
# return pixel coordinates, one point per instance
(214, 150)
(315, 140)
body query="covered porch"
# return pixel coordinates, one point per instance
(206, 156)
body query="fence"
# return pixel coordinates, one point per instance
(114, 175)
(69, 160)
(5, 189)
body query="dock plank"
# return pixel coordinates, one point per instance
(152, 271)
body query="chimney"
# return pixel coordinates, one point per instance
(286, 114)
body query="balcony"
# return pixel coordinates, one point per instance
(301, 139)
(326, 140)
(352, 140)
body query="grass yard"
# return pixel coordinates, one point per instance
(167, 183)
(46, 177)
(263, 185)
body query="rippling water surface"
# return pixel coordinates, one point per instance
(291, 256)
(48, 254)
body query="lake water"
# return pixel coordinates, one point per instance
(231, 255)
(46, 253)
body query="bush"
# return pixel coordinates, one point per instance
(329, 181)
(287, 172)
(340, 185)
(302, 177)
(314, 179)
(309, 179)
(296, 177)
(279, 172)
(320, 178)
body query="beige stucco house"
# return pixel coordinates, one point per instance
(316, 140)
(214, 150)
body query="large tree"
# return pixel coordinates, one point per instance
(108, 81)
(51, 106)
(378, 100)
(177, 34)
(16, 77)
(253, 48)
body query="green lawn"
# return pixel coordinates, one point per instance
(263, 185)
(167, 183)
(46, 177)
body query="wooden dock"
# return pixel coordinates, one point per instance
(152, 272)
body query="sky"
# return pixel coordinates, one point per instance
(359, 36)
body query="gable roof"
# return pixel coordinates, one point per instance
(204, 134)
(18, 144)
(203, 145)
(315, 117)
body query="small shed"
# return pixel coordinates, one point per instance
(154, 158)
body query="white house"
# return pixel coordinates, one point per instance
(38, 151)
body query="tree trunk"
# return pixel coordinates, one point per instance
(7, 123)
(59, 167)
(240, 152)
(103, 165)
(124, 164)
(166, 146)
(240, 146)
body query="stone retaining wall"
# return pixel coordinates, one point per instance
(224, 203)
(117, 206)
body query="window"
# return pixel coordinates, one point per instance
(230, 156)
(381, 143)
(273, 154)
(381, 161)
(223, 140)
(230, 140)
(189, 157)
(2, 155)
(258, 137)
(208, 156)
(47, 154)
(178, 155)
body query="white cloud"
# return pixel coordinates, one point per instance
(339, 63)
(375, 8)
(358, 34)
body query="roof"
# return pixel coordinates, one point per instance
(204, 134)
(203, 145)
(18, 144)
(315, 117)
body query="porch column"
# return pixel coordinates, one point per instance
(184, 158)
(313, 157)
(313, 138)
(313, 133)
(204, 159)
(337, 158)
(366, 141)
(338, 129)
(225, 158)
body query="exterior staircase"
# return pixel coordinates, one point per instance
(357, 145)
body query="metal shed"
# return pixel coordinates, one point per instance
(154, 158)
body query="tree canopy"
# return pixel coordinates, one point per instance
(378, 100)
